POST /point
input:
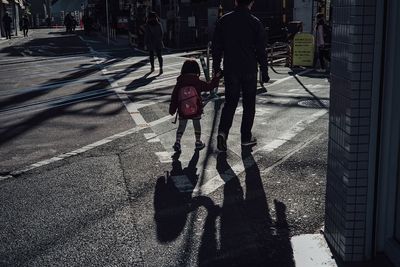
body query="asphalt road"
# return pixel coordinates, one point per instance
(53, 99)
(89, 177)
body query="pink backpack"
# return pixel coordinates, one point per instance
(189, 102)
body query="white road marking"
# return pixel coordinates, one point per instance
(5, 177)
(132, 108)
(137, 59)
(164, 156)
(157, 78)
(152, 138)
(290, 77)
(149, 135)
(137, 68)
(218, 181)
(85, 148)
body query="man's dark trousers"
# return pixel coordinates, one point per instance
(234, 85)
(7, 32)
(159, 56)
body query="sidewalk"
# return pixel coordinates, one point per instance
(5, 41)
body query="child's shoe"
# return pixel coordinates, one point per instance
(177, 147)
(200, 145)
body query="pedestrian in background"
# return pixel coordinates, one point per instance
(154, 39)
(7, 25)
(187, 100)
(87, 23)
(322, 34)
(240, 38)
(25, 25)
(74, 24)
(68, 23)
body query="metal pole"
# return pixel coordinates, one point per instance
(208, 58)
(312, 16)
(108, 24)
(16, 19)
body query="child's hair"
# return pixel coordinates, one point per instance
(190, 66)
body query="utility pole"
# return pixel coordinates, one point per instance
(108, 24)
(16, 18)
(312, 16)
(48, 7)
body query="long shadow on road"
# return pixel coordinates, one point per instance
(246, 234)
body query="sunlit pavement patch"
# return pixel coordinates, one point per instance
(311, 250)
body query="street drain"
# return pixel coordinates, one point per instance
(314, 103)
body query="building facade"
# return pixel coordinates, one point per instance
(363, 178)
(40, 10)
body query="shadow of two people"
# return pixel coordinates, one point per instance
(246, 234)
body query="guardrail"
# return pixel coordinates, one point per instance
(113, 32)
(277, 53)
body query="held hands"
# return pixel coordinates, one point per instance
(218, 73)
(171, 111)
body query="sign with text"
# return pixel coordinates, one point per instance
(303, 50)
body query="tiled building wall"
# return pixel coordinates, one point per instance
(351, 84)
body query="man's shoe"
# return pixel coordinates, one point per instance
(251, 142)
(177, 147)
(221, 142)
(200, 145)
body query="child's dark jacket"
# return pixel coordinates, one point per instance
(190, 80)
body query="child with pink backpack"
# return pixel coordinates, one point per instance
(186, 98)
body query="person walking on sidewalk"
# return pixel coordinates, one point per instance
(87, 23)
(25, 25)
(240, 38)
(322, 36)
(68, 23)
(7, 25)
(187, 100)
(154, 40)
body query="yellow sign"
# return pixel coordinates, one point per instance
(303, 50)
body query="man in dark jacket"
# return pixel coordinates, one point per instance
(240, 38)
(68, 23)
(7, 25)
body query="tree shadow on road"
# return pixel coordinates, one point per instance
(98, 100)
(98, 90)
(35, 46)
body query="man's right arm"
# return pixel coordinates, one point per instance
(217, 47)
(261, 53)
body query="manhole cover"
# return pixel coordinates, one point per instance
(314, 103)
